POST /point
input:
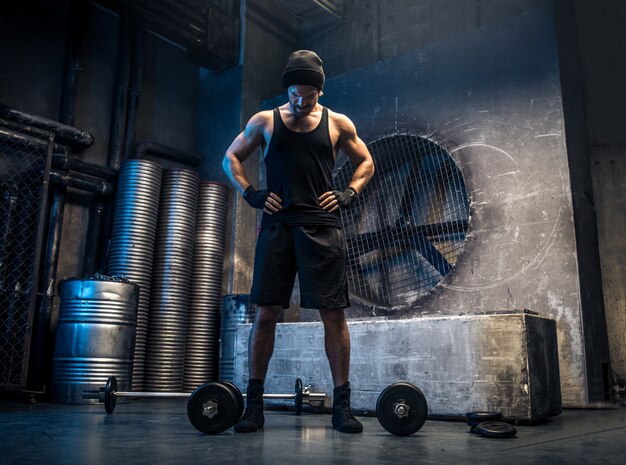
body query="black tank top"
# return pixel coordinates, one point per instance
(299, 169)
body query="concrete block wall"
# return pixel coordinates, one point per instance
(500, 362)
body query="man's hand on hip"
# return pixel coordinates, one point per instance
(263, 199)
(334, 200)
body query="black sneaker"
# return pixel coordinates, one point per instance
(343, 419)
(252, 420)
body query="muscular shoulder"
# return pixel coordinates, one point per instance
(260, 120)
(259, 125)
(341, 123)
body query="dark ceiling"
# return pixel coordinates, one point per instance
(209, 29)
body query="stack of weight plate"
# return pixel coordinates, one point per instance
(201, 357)
(171, 281)
(131, 249)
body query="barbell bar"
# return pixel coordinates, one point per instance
(109, 395)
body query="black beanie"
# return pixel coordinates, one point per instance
(304, 68)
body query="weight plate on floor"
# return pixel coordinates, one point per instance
(496, 429)
(401, 409)
(473, 418)
(238, 395)
(212, 408)
(298, 393)
(110, 400)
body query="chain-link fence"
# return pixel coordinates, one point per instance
(24, 164)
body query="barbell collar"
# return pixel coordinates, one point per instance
(313, 397)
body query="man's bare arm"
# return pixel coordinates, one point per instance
(356, 150)
(249, 140)
(246, 143)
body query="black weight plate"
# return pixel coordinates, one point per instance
(238, 395)
(411, 396)
(298, 393)
(473, 418)
(109, 394)
(496, 429)
(221, 398)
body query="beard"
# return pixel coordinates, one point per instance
(301, 110)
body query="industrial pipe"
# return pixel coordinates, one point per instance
(67, 163)
(29, 141)
(134, 90)
(63, 131)
(28, 130)
(80, 181)
(72, 61)
(120, 100)
(40, 339)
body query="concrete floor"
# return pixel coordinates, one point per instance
(158, 432)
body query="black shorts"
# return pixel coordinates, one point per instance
(316, 253)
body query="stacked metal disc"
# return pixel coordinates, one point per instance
(171, 281)
(131, 250)
(201, 357)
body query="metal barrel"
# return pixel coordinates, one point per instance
(236, 311)
(203, 328)
(94, 337)
(171, 281)
(131, 250)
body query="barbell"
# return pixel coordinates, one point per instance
(109, 395)
(214, 407)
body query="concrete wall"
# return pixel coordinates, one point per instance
(591, 302)
(608, 169)
(31, 67)
(219, 118)
(492, 93)
(503, 125)
(374, 30)
(168, 103)
(601, 40)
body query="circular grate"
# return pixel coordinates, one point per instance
(406, 230)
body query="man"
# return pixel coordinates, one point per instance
(301, 228)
